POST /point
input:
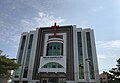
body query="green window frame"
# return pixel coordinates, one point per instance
(28, 56)
(54, 49)
(80, 56)
(22, 47)
(52, 65)
(90, 56)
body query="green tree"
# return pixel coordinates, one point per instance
(116, 72)
(110, 77)
(6, 65)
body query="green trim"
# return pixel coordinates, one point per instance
(90, 56)
(17, 72)
(80, 56)
(28, 56)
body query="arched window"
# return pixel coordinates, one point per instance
(52, 65)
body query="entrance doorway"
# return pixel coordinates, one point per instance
(53, 80)
(44, 80)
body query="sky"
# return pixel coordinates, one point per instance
(17, 16)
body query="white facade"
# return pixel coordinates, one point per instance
(85, 57)
(58, 59)
(86, 60)
(20, 79)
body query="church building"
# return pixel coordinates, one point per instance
(57, 54)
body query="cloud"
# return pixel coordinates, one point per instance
(107, 52)
(109, 44)
(28, 24)
(11, 35)
(100, 56)
(97, 9)
(42, 19)
(47, 20)
(108, 49)
(10, 32)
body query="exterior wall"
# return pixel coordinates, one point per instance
(24, 58)
(95, 62)
(103, 78)
(23, 55)
(86, 60)
(70, 59)
(59, 59)
(33, 55)
(76, 55)
(30, 56)
(69, 50)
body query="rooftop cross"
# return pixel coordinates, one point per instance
(55, 27)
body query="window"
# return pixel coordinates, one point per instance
(100, 80)
(80, 56)
(28, 56)
(44, 81)
(25, 73)
(90, 56)
(50, 47)
(17, 72)
(16, 81)
(54, 46)
(62, 80)
(45, 66)
(52, 65)
(25, 81)
(104, 78)
(59, 66)
(54, 49)
(57, 36)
